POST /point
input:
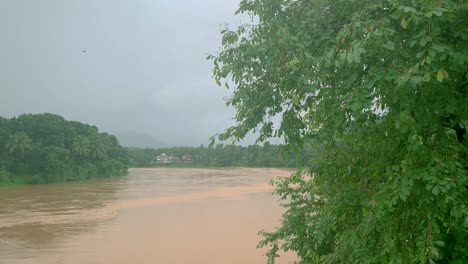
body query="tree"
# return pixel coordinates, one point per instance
(381, 87)
(81, 147)
(56, 164)
(98, 150)
(19, 143)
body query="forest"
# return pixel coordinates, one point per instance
(46, 148)
(266, 155)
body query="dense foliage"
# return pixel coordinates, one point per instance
(268, 155)
(45, 148)
(382, 85)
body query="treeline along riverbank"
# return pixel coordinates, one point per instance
(46, 148)
(266, 155)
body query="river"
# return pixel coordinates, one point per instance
(164, 216)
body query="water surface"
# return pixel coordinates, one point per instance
(197, 216)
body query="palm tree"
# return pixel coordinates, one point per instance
(81, 147)
(19, 143)
(98, 151)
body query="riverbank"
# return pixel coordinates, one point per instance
(190, 164)
(9, 179)
(266, 155)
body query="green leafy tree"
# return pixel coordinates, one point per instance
(381, 87)
(19, 143)
(98, 150)
(44, 148)
(57, 161)
(81, 147)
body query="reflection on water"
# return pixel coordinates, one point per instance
(152, 216)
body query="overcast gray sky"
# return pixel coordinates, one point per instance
(144, 68)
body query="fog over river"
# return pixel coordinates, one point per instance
(165, 216)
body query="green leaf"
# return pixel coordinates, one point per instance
(404, 23)
(397, 124)
(446, 75)
(463, 124)
(294, 61)
(437, 12)
(404, 192)
(409, 9)
(440, 76)
(423, 41)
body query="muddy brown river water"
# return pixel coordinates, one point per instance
(162, 216)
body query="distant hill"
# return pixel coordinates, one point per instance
(137, 140)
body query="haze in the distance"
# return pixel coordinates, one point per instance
(129, 67)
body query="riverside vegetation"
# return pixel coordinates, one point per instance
(45, 148)
(382, 87)
(267, 155)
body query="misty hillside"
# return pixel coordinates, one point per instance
(138, 140)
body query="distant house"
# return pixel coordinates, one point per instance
(186, 157)
(164, 158)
